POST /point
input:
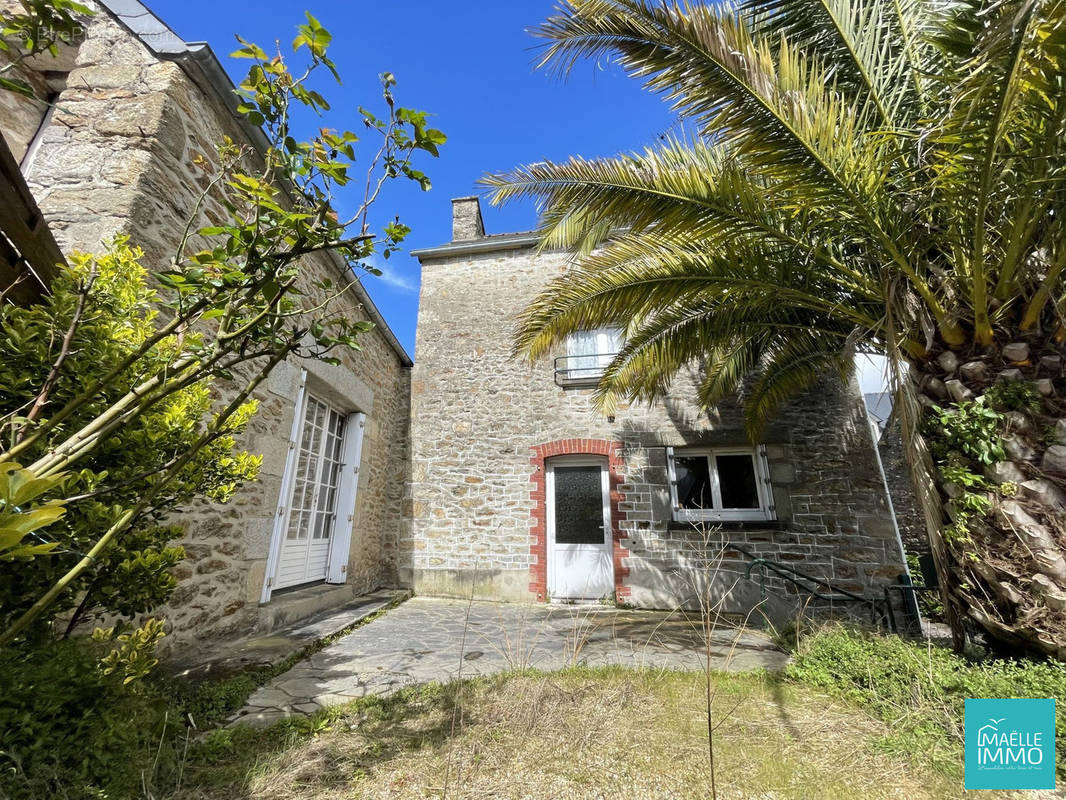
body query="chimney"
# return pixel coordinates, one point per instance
(466, 219)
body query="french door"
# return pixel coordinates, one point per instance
(580, 561)
(309, 516)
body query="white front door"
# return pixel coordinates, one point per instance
(580, 562)
(309, 515)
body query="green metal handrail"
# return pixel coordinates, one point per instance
(793, 576)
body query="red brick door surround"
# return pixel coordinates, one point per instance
(538, 543)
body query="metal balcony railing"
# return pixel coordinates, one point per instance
(581, 370)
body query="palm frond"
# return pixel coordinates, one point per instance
(869, 173)
(636, 276)
(774, 107)
(771, 104)
(1001, 132)
(874, 48)
(698, 192)
(794, 363)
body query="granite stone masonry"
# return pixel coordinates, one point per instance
(485, 428)
(905, 501)
(128, 150)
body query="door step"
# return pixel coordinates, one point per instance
(272, 646)
(293, 605)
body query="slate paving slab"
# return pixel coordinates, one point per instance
(274, 646)
(429, 639)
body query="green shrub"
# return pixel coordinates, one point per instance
(1014, 396)
(919, 688)
(970, 428)
(121, 311)
(76, 722)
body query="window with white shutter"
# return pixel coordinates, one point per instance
(722, 483)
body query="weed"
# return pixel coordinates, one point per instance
(1013, 396)
(919, 689)
(970, 428)
(628, 734)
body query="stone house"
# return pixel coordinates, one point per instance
(125, 147)
(520, 489)
(477, 470)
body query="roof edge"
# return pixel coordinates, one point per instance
(206, 71)
(487, 244)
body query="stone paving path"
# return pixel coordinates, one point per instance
(421, 641)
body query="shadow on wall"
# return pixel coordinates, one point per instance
(705, 566)
(735, 596)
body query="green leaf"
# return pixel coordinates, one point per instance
(16, 86)
(250, 50)
(25, 522)
(19, 486)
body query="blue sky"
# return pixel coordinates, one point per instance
(471, 66)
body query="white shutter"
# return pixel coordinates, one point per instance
(766, 489)
(344, 515)
(281, 518)
(672, 476)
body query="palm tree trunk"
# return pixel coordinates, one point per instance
(1000, 543)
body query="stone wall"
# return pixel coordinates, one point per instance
(904, 499)
(46, 75)
(22, 115)
(478, 417)
(128, 150)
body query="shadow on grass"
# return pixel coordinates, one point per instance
(228, 760)
(776, 682)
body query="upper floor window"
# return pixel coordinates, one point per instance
(587, 355)
(721, 483)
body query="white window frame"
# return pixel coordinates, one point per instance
(766, 510)
(608, 343)
(317, 482)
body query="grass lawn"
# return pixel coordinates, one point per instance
(576, 734)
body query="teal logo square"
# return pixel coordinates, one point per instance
(1010, 744)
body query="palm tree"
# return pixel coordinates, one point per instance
(882, 176)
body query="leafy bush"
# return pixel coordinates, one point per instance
(971, 428)
(116, 312)
(1013, 396)
(920, 689)
(76, 721)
